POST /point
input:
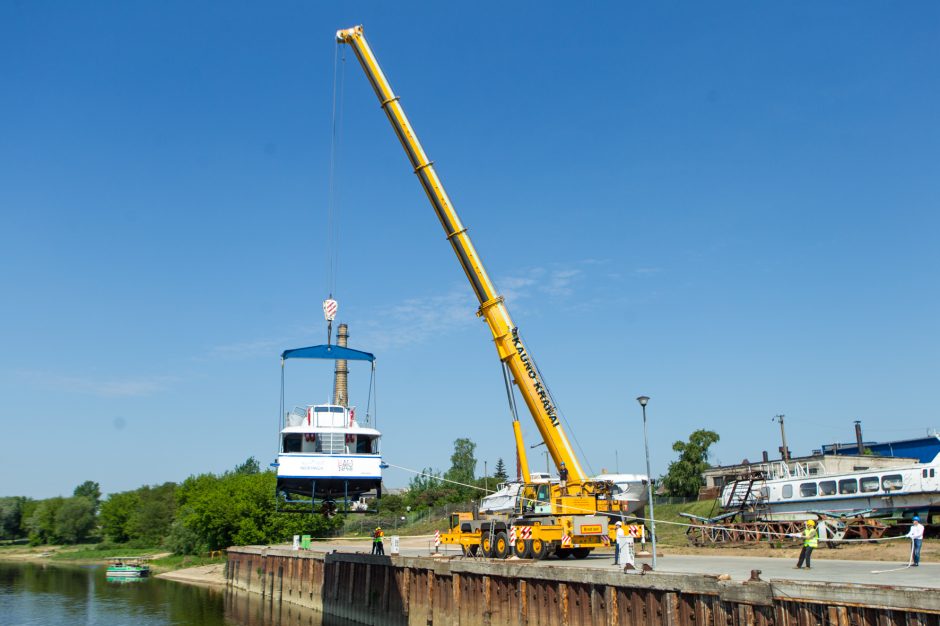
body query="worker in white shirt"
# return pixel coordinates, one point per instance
(916, 534)
(624, 548)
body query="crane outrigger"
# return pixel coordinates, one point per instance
(549, 519)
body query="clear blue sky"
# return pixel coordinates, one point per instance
(729, 207)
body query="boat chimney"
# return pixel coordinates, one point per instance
(340, 388)
(858, 436)
(766, 457)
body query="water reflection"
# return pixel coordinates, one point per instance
(251, 610)
(42, 594)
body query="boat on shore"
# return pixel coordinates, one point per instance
(783, 490)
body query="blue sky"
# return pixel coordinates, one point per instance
(728, 207)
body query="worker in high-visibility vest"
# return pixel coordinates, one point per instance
(377, 546)
(810, 540)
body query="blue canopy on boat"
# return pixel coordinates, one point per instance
(332, 353)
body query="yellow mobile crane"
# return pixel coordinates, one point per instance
(548, 519)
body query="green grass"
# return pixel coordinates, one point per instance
(99, 552)
(671, 534)
(102, 552)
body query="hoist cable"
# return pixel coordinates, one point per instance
(339, 73)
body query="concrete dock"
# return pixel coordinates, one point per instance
(428, 590)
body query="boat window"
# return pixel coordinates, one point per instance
(869, 484)
(807, 490)
(848, 485)
(932, 473)
(923, 474)
(892, 482)
(293, 442)
(764, 492)
(788, 491)
(367, 445)
(328, 409)
(827, 488)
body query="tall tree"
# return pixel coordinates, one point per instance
(116, 513)
(500, 473)
(684, 476)
(89, 489)
(75, 519)
(42, 521)
(463, 464)
(11, 517)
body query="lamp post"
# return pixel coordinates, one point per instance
(649, 476)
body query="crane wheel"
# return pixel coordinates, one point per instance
(469, 550)
(538, 549)
(520, 549)
(562, 553)
(486, 545)
(580, 553)
(501, 545)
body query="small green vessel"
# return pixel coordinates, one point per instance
(127, 567)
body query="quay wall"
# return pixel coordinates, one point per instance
(403, 590)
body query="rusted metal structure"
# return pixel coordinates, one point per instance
(706, 532)
(427, 591)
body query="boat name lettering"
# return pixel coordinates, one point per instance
(346, 465)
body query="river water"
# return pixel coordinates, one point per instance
(41, 594)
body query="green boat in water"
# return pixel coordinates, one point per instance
(121, 568)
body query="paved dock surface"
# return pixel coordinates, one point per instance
(738, 567)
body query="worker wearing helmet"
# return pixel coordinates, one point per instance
(623, 550)
(810, 541)
(377, 546)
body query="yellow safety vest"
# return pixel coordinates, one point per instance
(810, 538)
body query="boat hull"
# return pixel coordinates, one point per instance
(328, 476)
(128, 572)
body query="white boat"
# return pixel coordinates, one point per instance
(503, 500)
(798, 491)
(630, 489)
(325, 452)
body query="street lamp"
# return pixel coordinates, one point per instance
(649, 476)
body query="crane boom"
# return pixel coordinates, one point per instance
(509, 344)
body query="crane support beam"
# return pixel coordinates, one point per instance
(509, 344)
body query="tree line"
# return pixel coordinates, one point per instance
(203, 513)
(238, 507)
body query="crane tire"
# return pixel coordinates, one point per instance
(521, 550)
(469, 550)
(501, 545)
(486, 545)
(562, 553)
(538, 548)
(580, 553)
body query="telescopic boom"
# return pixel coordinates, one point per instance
(506, 336)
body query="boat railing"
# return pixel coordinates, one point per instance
(781, 469)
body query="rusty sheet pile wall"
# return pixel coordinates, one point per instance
(420, 590)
